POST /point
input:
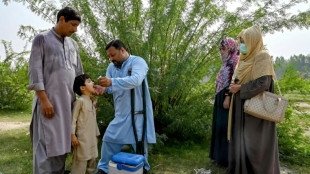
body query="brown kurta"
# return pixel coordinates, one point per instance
(84, 126)
(253, 147)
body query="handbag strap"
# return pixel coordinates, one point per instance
(275, 76)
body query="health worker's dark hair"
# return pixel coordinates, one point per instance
(118, 44)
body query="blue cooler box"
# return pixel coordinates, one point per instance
(126, 163)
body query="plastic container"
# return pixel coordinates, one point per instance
(126, 163)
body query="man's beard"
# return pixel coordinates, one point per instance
(117, 63)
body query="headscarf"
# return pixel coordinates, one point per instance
(256, 62)
(230, 61)
(252, 65)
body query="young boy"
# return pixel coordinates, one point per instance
(84, 127)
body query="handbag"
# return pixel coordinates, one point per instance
(267, 106)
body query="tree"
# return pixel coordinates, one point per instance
(299, 64)
(179, 41)
(13, 70)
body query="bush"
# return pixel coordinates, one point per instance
(189, 120)
(293, 144)
(13, 92)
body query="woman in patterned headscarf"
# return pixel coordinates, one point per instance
(253, 146)
(219, 144)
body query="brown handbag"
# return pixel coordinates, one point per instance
(267, 106)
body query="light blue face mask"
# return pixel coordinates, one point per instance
(242, 48)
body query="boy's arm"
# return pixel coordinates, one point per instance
(76, 110)
(98, 132)
(74, 140)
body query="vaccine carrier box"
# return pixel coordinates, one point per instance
(126, 163)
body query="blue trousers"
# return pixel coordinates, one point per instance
(109, 149)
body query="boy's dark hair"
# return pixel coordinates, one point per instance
(78, 82)
(69, 14)
(118, 44)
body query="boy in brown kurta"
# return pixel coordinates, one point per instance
(84, 127)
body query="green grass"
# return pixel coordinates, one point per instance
(183, 159)
(295, 97)
(16, 148)
(16, 152)
(16, 157)
(303, 111)
(297, 169)
(15, 116)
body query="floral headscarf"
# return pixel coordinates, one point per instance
(230, 61)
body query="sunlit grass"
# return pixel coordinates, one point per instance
(16, 149)
(15, 116)
(296, 97)
(183, 159)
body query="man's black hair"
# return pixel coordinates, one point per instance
(118, 44)
(69, 14)
(78, 82)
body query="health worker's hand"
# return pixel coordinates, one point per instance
(99, 90)
(104, 81)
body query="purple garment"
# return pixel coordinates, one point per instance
(54, 63)
(230, 61)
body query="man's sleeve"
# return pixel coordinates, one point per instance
(35, 70)
(139, 72)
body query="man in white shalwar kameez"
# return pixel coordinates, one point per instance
(119, 83)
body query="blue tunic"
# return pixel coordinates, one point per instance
(120, 129)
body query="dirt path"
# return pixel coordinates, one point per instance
(4, 126)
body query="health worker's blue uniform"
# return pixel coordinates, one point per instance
(120, 131)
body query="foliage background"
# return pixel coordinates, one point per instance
(13, 72)
(179, 41)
